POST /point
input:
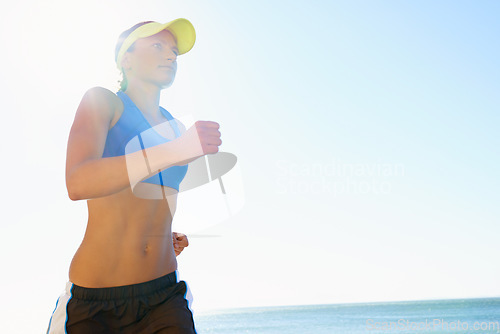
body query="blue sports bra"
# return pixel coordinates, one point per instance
(132, 133)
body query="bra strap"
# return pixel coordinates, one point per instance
(125, 99)
(172, 121)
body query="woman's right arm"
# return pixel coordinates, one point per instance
(89, 175)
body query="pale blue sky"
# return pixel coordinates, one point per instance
(405, 93)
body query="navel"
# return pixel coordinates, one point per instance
(146, 249)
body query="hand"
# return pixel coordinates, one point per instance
(202, 138)
(180, 241)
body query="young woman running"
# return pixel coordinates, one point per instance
(127, 156)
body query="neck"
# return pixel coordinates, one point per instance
(146, 97)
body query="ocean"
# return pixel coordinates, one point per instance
(434, 316)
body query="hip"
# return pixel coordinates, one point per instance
(146, 307)
(97, 265)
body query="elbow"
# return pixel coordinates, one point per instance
(73, 196)
(74, 193)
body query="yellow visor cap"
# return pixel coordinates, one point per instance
(182, 29)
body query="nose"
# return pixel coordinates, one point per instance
(171, 56)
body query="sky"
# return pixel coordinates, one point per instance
(366, 134)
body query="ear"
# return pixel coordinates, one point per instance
(126, 61)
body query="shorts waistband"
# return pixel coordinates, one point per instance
(123, 291)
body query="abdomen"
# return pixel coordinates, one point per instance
(128, 240)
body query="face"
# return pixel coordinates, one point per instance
(153, 59)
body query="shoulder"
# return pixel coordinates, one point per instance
(101, 102)
(101, 97)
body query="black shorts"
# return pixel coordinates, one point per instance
(158, 306)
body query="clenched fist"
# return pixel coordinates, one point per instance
(180, 241)
(202, 138)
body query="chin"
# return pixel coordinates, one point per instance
(166, 83)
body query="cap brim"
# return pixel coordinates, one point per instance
(182, 29)
(184, 32)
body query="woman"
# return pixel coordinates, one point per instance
(123, 278)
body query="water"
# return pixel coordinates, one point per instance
(436, 316)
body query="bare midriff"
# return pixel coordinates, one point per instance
(128, 240)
